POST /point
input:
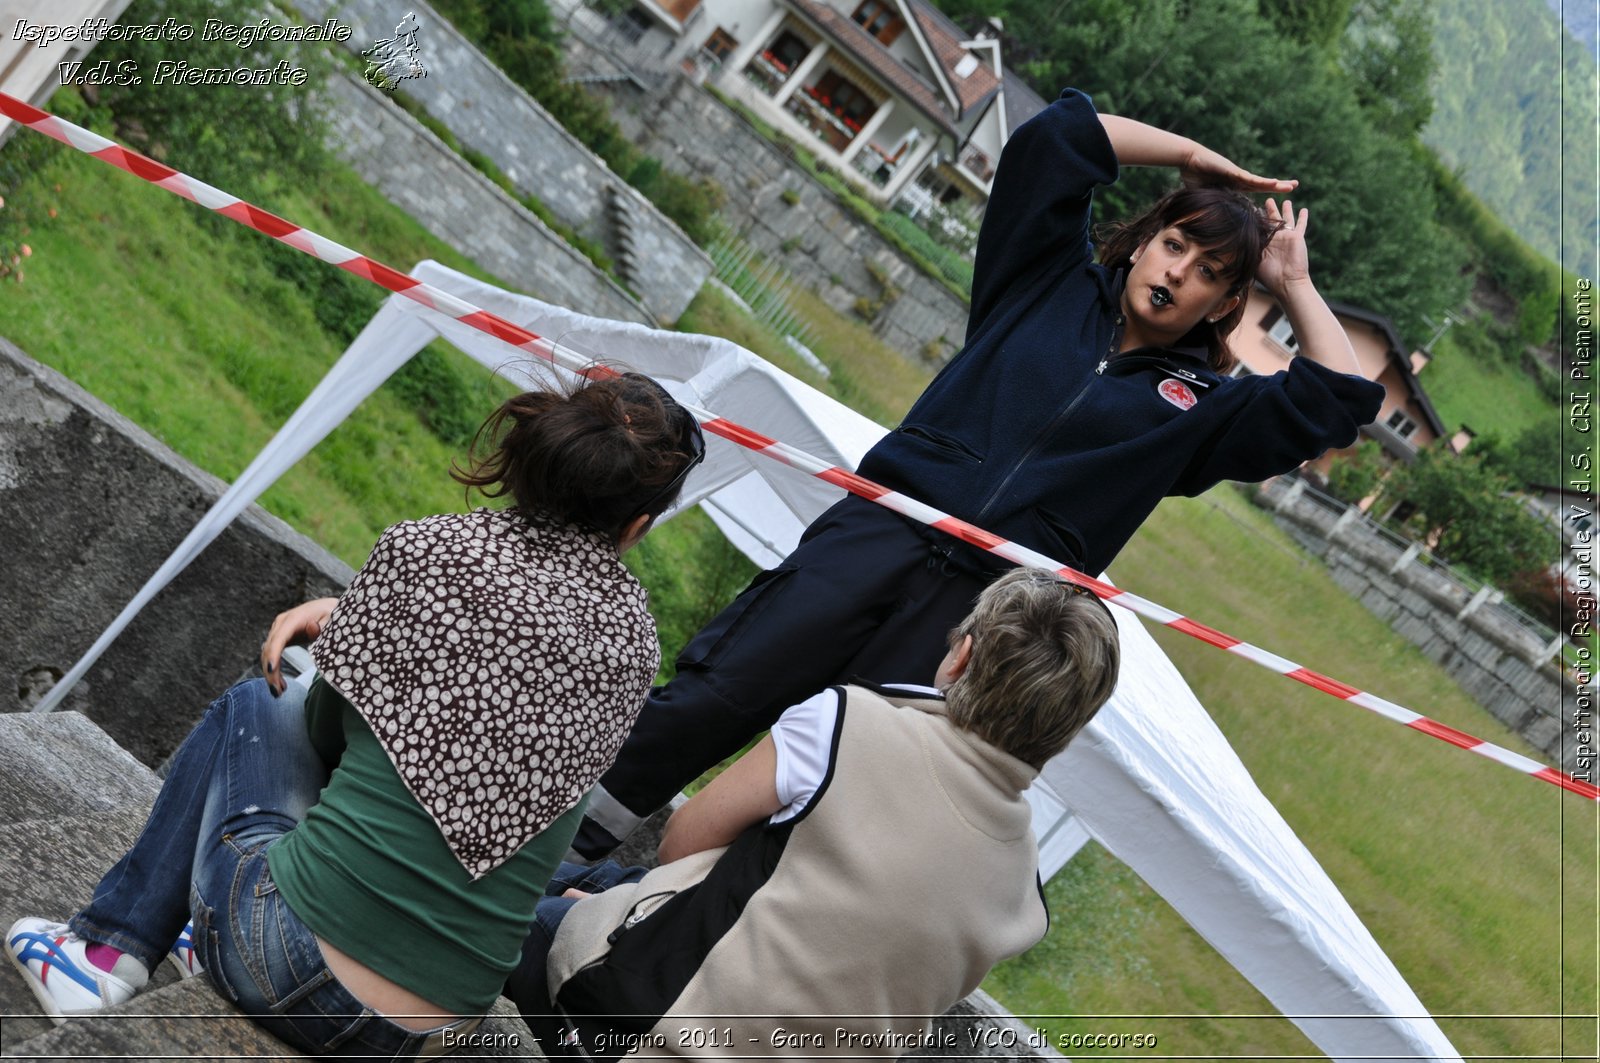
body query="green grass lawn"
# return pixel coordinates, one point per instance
(1459, 866)
(1477, 881)
(131, 294)
(1485, 393)
(864, 373)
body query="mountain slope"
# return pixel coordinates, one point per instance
(1514, 112)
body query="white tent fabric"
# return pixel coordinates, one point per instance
(1152, 778)
(762, 505)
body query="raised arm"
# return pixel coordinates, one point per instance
(1038, 214)
(1286, 273)
(1039, 205)
(1137, 144)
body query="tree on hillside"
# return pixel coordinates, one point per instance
(1515, 111)
(1387, 50)
(244, 138)
(1470, 514)
(1315, 22)
(1357, 475)
(1533, 456)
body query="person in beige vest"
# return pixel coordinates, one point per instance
(852, 876)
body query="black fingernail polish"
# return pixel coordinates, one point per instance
(271, 667)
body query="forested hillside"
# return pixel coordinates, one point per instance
(1581, 21)
(1514, 113)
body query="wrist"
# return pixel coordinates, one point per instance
(1296, 288)
(1188, 152)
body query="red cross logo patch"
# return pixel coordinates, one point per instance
(1177, 393)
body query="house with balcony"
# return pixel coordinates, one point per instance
(890, 94)
(1407, 422)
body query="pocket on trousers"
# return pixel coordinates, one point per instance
(207, 945)
(256, 936)
(713, 640)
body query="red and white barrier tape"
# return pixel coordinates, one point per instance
(337, 254)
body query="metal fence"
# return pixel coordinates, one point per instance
(941, 223)
(762, 285)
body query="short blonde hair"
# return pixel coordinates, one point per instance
(1044, 659)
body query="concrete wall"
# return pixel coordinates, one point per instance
(821, 243)
(491, 114)
(421, 175)
(90, 506)
(1500, 664)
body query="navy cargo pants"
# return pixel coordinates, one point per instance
(866, 593)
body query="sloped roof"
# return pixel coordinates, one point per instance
(945, 38)
(1397, 355)
(1022, 103)
(870, 53)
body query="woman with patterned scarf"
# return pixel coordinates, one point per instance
(361, 860)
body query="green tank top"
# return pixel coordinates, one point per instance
(369, 872)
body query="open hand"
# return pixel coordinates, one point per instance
(1285, 262)
(1206, 167)
(300, 624)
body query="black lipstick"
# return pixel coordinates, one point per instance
(1160, 296)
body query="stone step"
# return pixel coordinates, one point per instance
(51, 867)
(62, 764)
(190, 1020)
(180, 1020)
(71, 802)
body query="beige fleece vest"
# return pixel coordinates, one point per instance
(911, 874)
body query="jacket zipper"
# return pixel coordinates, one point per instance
(1153, 359)
(1033, 448)
(1061, 417)
(1050, 429)
(638, 913)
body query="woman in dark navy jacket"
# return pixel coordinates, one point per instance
(1085, 394)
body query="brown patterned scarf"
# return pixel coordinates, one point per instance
(500, 659)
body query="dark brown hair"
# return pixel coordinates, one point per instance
(598, 455)
(1222, 220)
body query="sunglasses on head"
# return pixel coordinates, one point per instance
(694, 442)
(1076, 588)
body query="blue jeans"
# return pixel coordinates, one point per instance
(529, 985)
(245, 776)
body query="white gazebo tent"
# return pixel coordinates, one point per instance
(1152, 779)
